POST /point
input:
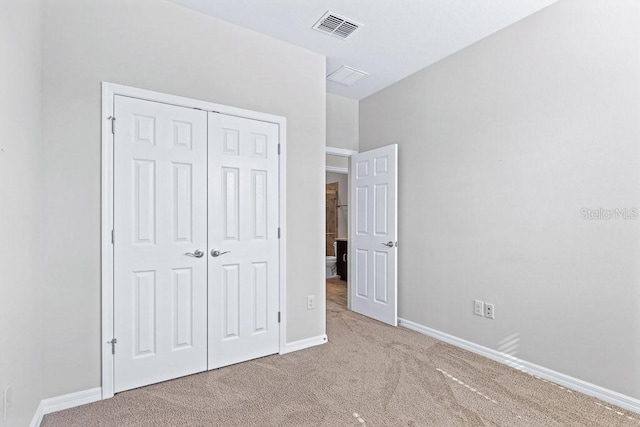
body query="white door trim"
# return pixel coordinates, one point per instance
(335, 169)
(342, 152)
(338, 152)
(109, 90)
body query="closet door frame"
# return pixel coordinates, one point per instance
(109, 91)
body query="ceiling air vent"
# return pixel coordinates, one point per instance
(336, 25)
(346, 75)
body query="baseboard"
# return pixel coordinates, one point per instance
(610, 396)
(71, 400)
(54, 404)
(305, 343)
(37, 417)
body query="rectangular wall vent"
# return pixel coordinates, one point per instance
(336, 25)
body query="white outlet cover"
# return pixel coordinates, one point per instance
(489, 311)
(478, 308)
(311, 302)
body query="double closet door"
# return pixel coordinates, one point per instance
(196, 244)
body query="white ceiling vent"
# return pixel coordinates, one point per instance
(346, 75)
(336, 25)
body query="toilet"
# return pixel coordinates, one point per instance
(330, 265)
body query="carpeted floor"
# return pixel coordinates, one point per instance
(368, 374)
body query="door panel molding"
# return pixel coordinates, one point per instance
(182, 139)
(373, 239)
(151, 303)
(246, 302)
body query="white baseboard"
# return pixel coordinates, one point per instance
(610, 396)
(54, 404)
(71, 400)
(305, 343)
(37, 417)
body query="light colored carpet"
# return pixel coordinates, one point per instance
(368, 374)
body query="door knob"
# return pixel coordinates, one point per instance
(388, 244)
(216, 253)
(197, 253)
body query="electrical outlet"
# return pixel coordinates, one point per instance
(478, 308)
(6, 401)
(489, 311)
(311, 302)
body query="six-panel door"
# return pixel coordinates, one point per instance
(160, 217)
(197, 248)
(373, 244)
(243, 228)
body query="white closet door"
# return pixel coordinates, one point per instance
(243, 229)
(160, 221)
(373, 202)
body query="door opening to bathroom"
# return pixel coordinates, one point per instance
(337, 226)
(366, 258)
(331, 214)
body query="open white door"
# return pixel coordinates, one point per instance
(373, 199)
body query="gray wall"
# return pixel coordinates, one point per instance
(337, 161)
(21, 316)
(501, 145)
(342, 122)
(160, 46)
(342, 132)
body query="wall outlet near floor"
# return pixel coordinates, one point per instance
(488, 311)
(478, 308)
(311, 302)
(6, 401)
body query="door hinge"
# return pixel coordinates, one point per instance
(278, 317)
(278, 232)
(113, 237)
(278, 149)
(113, 343)
(113, 124)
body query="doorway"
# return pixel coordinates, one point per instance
(372, 244)
(332, 221)
(337, 229)
(193, 208)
